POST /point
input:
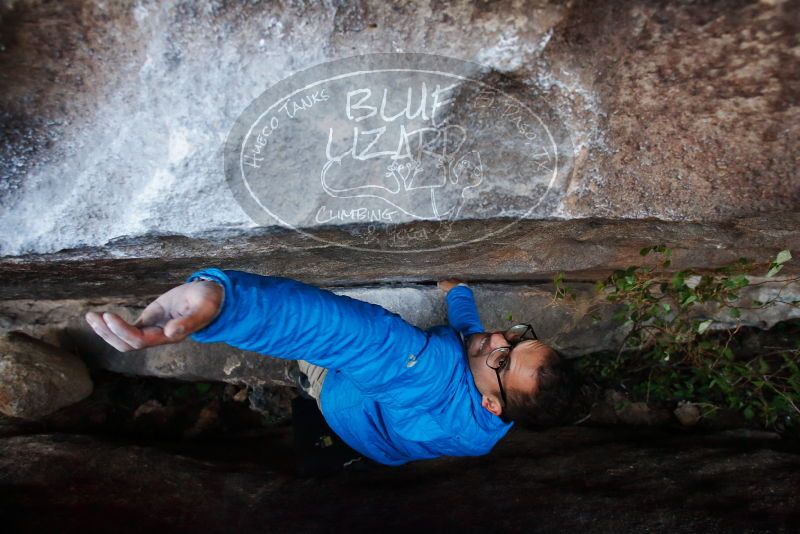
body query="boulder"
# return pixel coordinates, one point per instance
(37, 379)
(688, 413)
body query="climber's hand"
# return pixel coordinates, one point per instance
(447, 285)
(170, 318)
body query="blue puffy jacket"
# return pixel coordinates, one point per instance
(394, 392)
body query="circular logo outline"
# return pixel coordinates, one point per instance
(377, 57)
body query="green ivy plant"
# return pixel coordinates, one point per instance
(673, 353)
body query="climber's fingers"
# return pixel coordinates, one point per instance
(172, 317)
(100, 327)
(136, 338)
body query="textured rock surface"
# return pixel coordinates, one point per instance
(527, 251)
(565, 479)
(114, 113)
(37, 379)
(62, 322)
(568, 325)
(113, 119)
(701, 105)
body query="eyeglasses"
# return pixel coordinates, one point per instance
(498, 359)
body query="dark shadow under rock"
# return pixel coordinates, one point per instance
(146, 407)
(560, 480)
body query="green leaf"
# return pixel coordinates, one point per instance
(558, 284)
(645, 251)
(738, 281)
(774, 269)
(202, 387)
(620, 315)
(666, 307)
(734, 312)
(705, 345)
(678, 280)
(748, 413)
(599, 286)
(688, 300)
(702, 327)
(510, 317)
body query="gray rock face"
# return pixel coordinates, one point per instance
(683, 112)
(684, 124)
(575, 327)
(37, 379)
(585, 249)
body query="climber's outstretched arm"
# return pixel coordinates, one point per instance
(275, 316)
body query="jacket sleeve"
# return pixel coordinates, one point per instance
(289, 319)
(462, 312)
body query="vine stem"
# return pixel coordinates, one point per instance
(787, 399)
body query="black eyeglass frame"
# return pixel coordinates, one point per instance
(513, 339)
